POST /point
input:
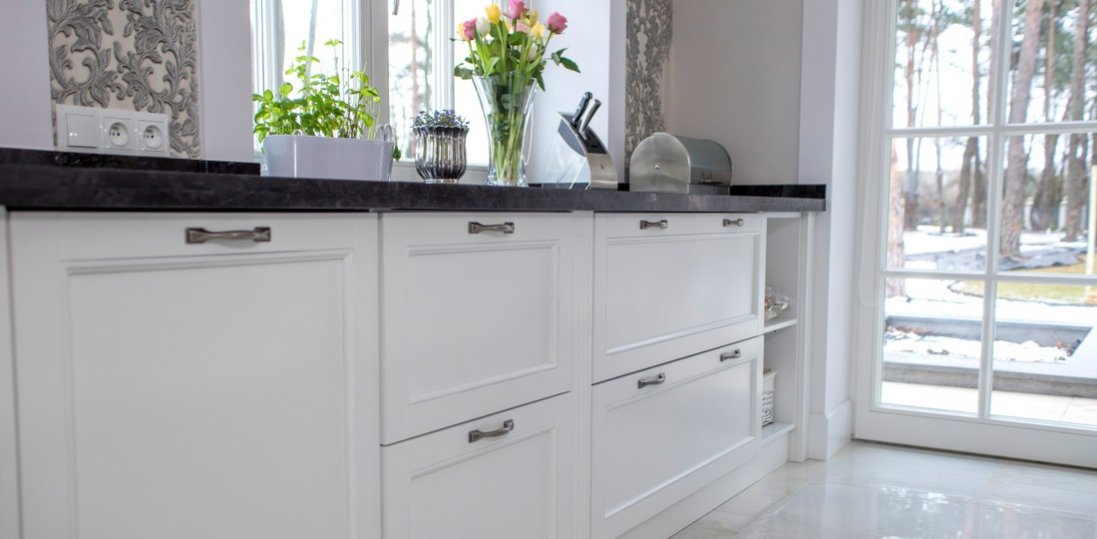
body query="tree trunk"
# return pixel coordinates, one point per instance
(1013, 205)
(971, 164)
(1045, 205)
(910, 211)
(895, 249)
(979, 179)
(939, 171)
(1076, 184)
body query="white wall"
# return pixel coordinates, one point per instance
(25, 116)
(828, 153)
(587, 40)
(224, 61)
(735, 78)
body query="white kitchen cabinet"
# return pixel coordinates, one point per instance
(477, 315)
(661, 434)
(668, 286)
(222, 389)
(508, 475)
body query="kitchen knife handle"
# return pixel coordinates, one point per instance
(583, 102)
(590, 116)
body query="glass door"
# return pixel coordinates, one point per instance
(979, 332)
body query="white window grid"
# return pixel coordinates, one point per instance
(880, 49)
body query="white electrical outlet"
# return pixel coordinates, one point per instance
(115, 131)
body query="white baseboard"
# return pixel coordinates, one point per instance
(830, 432)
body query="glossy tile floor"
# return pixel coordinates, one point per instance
(873, 490)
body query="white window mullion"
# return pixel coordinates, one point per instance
(995, 180)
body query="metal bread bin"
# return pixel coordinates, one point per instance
(668, 163)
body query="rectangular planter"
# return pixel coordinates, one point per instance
(298, 156)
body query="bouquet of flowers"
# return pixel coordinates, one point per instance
(508, 53)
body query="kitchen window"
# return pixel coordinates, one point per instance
(978, 278)
(410, 39)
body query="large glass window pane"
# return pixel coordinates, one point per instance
(1045, 353)
(932, 344)
(308, 24)
(413, 57)
(1046, 221)
(937, 207)
(1051, 67)
(942, 62)
(465, 101)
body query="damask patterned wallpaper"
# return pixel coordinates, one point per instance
(133, 54)
(649, 30)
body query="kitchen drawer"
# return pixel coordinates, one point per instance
(518, 484)
(661, 434)
(473, 321)
(669, 286)
(219, 390)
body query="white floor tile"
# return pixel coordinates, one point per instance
(873, 490)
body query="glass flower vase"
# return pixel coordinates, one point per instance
(507, 101)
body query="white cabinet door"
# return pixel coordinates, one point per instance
(660, 435)
(500, 477)
(223, 389)
(668, 286)
(478, 315)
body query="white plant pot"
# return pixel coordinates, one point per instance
(298, 156)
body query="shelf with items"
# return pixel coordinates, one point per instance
(784, 365)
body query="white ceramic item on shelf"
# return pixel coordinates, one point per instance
(298, 156)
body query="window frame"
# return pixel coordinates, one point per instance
(366, 42)
(872, 271)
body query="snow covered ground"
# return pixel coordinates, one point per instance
(942, 298)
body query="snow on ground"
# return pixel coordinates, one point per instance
(903, 342)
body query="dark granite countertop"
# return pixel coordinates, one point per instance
(69, 184)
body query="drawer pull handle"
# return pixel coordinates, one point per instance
(734, 354)
(477, 435)
(656, 380)
(260, 234)
(661, 224)
(505, 228)
(734, 222)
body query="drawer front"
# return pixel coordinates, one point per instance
(163, 382)
(662, 434)
(518, 484)
(668, 286)
(475, 319)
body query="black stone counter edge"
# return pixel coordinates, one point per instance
(18, 156)
(53, 188)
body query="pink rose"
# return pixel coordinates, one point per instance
(522, 27)
(556, 22)
(517, 9)
(468, 29)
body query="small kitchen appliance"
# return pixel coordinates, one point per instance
(668, 163)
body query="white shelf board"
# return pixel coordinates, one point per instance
(776, 429)
(778, 323)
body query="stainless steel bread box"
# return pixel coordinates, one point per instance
(668, 163)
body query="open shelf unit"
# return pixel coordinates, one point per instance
(788, 248)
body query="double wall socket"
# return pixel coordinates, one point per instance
(115, 131)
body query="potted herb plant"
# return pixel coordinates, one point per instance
(440, 153)
(325, 126)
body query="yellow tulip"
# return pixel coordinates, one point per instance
(538, 30)
(494, 13)
(532, 16)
